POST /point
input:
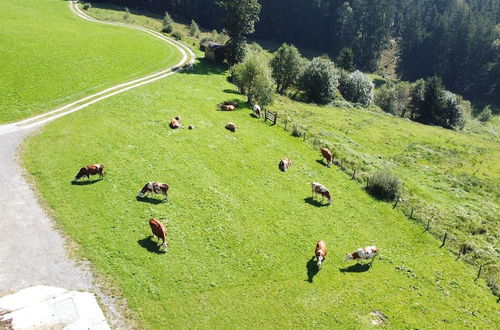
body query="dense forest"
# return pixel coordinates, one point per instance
(458, 40)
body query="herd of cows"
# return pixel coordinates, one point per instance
(158, 229)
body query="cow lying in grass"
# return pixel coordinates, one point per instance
(155, 188)
(284, 164)
(327, 154)
(318, 188)
(366, 253)
(159, 231)
(228, 105)
(320, 252)
(95, 169)
(175, 123)
(231, 127)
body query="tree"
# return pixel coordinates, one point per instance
(239, 21)
(194, 29)
(253, 77)
(345, 60)
(394, 98)
(356, 87)
(168, 23)
(433, 101)
(452, 114)
(319, 80)
(286, 65)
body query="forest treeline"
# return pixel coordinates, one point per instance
(458, 40)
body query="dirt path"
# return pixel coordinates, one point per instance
(32, 252)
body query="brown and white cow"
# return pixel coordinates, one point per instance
(366, 253)
(175, 123)
(327, 154)
(227, 107)
(284, 164)
(95, 169)
(320, 252)
(155, 188)
(159, 231)
(318, 188)
(232, 127)
(257, 110)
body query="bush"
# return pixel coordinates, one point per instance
(86, 6)
(126, 16)
(485, 115)
(296, 131)
(394, 98)
(178, 35)
(287, 65)
(452, 114)
(384, 185)
(194, 29)
(168, 23)
(319, 80)
(356, 87)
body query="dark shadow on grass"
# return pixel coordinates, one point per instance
(321, 162)
(150, 200)
(206, 67)
(356, 268)
(313, 202)
(231, 91)
(312, 269)
(85, 182)
(149, 244)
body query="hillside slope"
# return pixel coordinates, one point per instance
(241, 233)
(50, 57)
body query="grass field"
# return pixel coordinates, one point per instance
(241, 233)
(50, 57)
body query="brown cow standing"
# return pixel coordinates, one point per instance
(90, 170)
(284, 164)
(328, 156)
(320, 252)
(155, 188)
(159, 231)
(175, 123)
(318, 188)
(232, 127)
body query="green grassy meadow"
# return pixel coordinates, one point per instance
(49, 56)
(241, 233)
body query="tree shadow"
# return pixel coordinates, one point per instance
(312, 269)
(313, 202)
(356, 268)
(84, 183)
(150, 200)
(231, 91)
(149, 244)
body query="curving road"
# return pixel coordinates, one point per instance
(32, 252)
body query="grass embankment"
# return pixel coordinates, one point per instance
(451, 177)
(50, 57)
(241, 232)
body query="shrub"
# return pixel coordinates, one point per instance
(287, 64)
(452, 114)
(296, 131)
(394, 98)
(319, 80)
(384, 185)
(485, 115)
(168, 23)
(356, 87)
(178, 35)
(86, 6)
(126, 16)
(194, 29)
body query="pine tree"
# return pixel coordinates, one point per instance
(345, 60)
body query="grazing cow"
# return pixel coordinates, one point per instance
(318, 188)
(232, 127)
(284, 164)
(227, 107)
(257, 110)
(328, 156)
(159, 231)
(155, 188)
(90, 170)
(320, 252)
(175, 123)
(369, 252)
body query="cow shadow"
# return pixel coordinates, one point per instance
(321, 162)
(314, 202)
(85, 182)
(150, 200)
(149, 244)
(253, 115)
(356, 268)
(312, 269)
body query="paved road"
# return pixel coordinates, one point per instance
(32, 252)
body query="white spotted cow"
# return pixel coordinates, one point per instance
(366, 253)
(155, 188)
(318, 188)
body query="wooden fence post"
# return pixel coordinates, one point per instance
(479, 272)
(286, 122)
(444, 239)
(396, 204)
(265, 115)
(411, 214)
(428, 224)
(275, 118)
(354, 174)
(304, 136)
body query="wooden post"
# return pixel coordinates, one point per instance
(479, 272)
(275, 118)
(411, 214)
(354, 174)
(428, 224)
(304, 136)
(265, 115)
(396, 204)
(444, 239)
(367, 182)
(286, 122)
